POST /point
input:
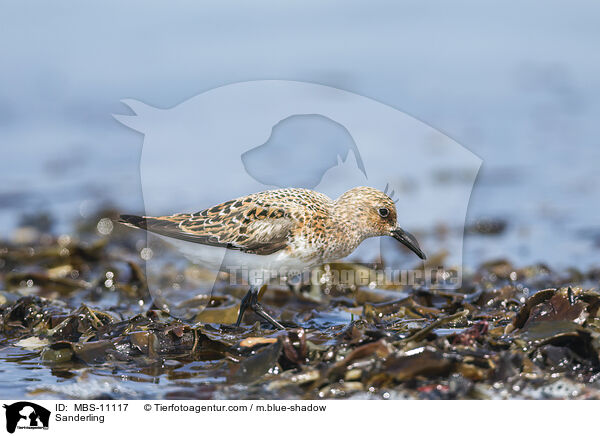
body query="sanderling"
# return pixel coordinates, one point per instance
(281, 230)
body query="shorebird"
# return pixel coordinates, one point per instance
(280, 230)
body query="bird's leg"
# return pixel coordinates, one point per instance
(251, 300)
(258, 309)
(245, 303)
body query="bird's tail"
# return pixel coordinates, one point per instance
(162, 225)
(135, 221)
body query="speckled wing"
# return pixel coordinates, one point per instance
(240, 224)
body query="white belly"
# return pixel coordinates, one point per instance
(253, 267)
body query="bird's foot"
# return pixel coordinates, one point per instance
(251, 300)
(258, 309)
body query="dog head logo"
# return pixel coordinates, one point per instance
(26, 415)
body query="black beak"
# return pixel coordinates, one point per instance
(408, 240)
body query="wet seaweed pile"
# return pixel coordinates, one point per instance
(77, 321)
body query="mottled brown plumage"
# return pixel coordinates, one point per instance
(300, 221)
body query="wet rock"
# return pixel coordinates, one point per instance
(259, 364)
(424, 362)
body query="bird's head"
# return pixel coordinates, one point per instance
(374, 213)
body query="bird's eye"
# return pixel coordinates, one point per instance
(383, 212)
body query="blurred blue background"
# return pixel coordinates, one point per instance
(517, 83)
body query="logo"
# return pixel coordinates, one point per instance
(26, 415)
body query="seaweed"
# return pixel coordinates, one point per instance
(81, 308)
